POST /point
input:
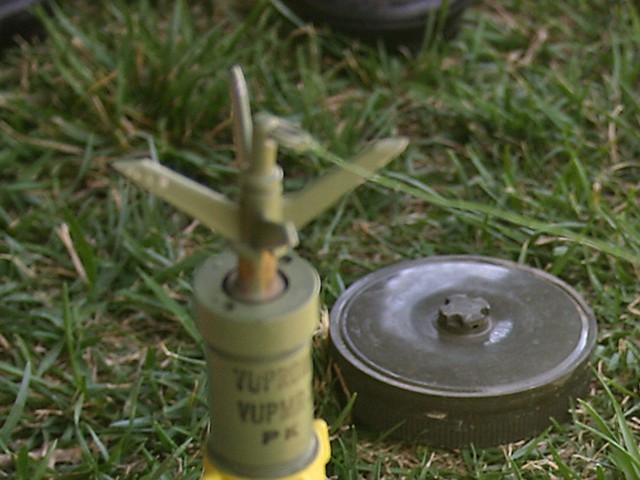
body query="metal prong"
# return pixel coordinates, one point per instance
(304, 205)
(211, 208)
(291, 136)
(241, 115)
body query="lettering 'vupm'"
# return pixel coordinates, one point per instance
(266, 413)
(264, 381)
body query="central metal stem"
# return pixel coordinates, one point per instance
(257, 279)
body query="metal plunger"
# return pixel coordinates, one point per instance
(257, 305)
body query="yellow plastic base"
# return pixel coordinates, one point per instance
(315, 471)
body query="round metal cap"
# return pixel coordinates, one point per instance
(460, 350)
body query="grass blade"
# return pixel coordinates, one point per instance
(17, 410)
(177, 310)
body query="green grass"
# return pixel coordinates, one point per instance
(525, 145)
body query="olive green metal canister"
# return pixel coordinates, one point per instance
(260, 373)
(257, 305)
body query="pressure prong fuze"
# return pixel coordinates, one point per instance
(257, 305)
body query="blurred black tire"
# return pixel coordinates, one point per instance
(16, 21)
(395, 21)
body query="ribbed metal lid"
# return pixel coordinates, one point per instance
(459, 349)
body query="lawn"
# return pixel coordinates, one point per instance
(524, 144)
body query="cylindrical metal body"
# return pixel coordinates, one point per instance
(460, 350)
(260, 373)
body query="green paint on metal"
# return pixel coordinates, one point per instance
(258, 306)
(261, 206)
